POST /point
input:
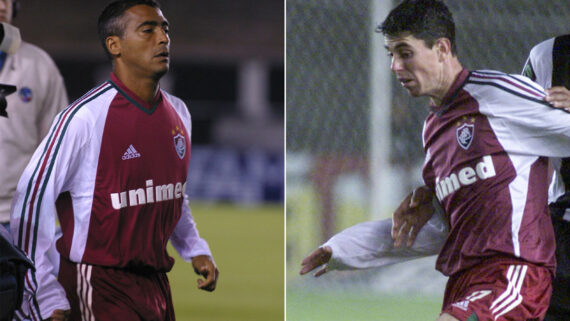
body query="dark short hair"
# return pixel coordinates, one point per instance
(427, 20)
(109, 22)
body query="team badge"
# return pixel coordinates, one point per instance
(179, 142)
(25, 94)
(465, 135)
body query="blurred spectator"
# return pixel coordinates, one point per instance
(41, 94)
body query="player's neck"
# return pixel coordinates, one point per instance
(144, 88)
(450, 73)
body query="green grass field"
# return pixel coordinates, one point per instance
(248, 246)
(337, 305)
(321, 299)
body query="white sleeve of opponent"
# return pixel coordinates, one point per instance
(538, 66)
(370, 244)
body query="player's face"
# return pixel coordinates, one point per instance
(145, 44)
(416, 66)
(6, 11)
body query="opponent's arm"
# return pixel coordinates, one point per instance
(538, 67)
(558, 97)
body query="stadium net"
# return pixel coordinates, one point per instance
(334, 121)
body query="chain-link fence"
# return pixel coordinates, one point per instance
(327, 76)
(328, 128)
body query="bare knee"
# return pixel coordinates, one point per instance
(446, 317)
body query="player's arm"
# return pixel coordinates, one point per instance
(204, 265)
(413, 213)
(185, 237)
(60, 315)
(49, 173)
(536, 67)
(319, 258)
(192, 248)
(370, 245)
(526, 117)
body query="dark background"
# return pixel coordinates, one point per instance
(210, 43)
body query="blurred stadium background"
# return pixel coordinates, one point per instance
(227, 64)
(353, 140)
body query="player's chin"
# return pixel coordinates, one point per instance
(413, 91)
(161, 71)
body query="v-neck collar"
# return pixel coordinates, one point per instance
(451, 93)
(130, 96)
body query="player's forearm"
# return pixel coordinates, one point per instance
(52, 303)
(43, 294)
(370, 244)
(186, 238)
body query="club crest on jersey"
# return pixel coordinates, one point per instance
(465, 135)
(179, 142)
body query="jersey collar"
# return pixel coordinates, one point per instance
(130, 96)
(451, 93)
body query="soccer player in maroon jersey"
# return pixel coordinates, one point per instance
(486, 166)
(113, 169)
(369, 244)
(486, 140)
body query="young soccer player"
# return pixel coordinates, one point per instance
(486, 140)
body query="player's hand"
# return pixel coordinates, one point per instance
(204, 266)
(318, 257)
(558, 97)
(412, 214)
(59, 315)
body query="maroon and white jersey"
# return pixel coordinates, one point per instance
(486, 159)
(113, 169)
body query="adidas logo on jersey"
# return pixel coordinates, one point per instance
(131, 153)
(465, 176)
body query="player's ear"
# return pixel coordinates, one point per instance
(443, 47)
(113, 44)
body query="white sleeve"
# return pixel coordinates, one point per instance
(538, 66)
(33, 217)
(525, 124)
(370, 244)
(186, 239)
